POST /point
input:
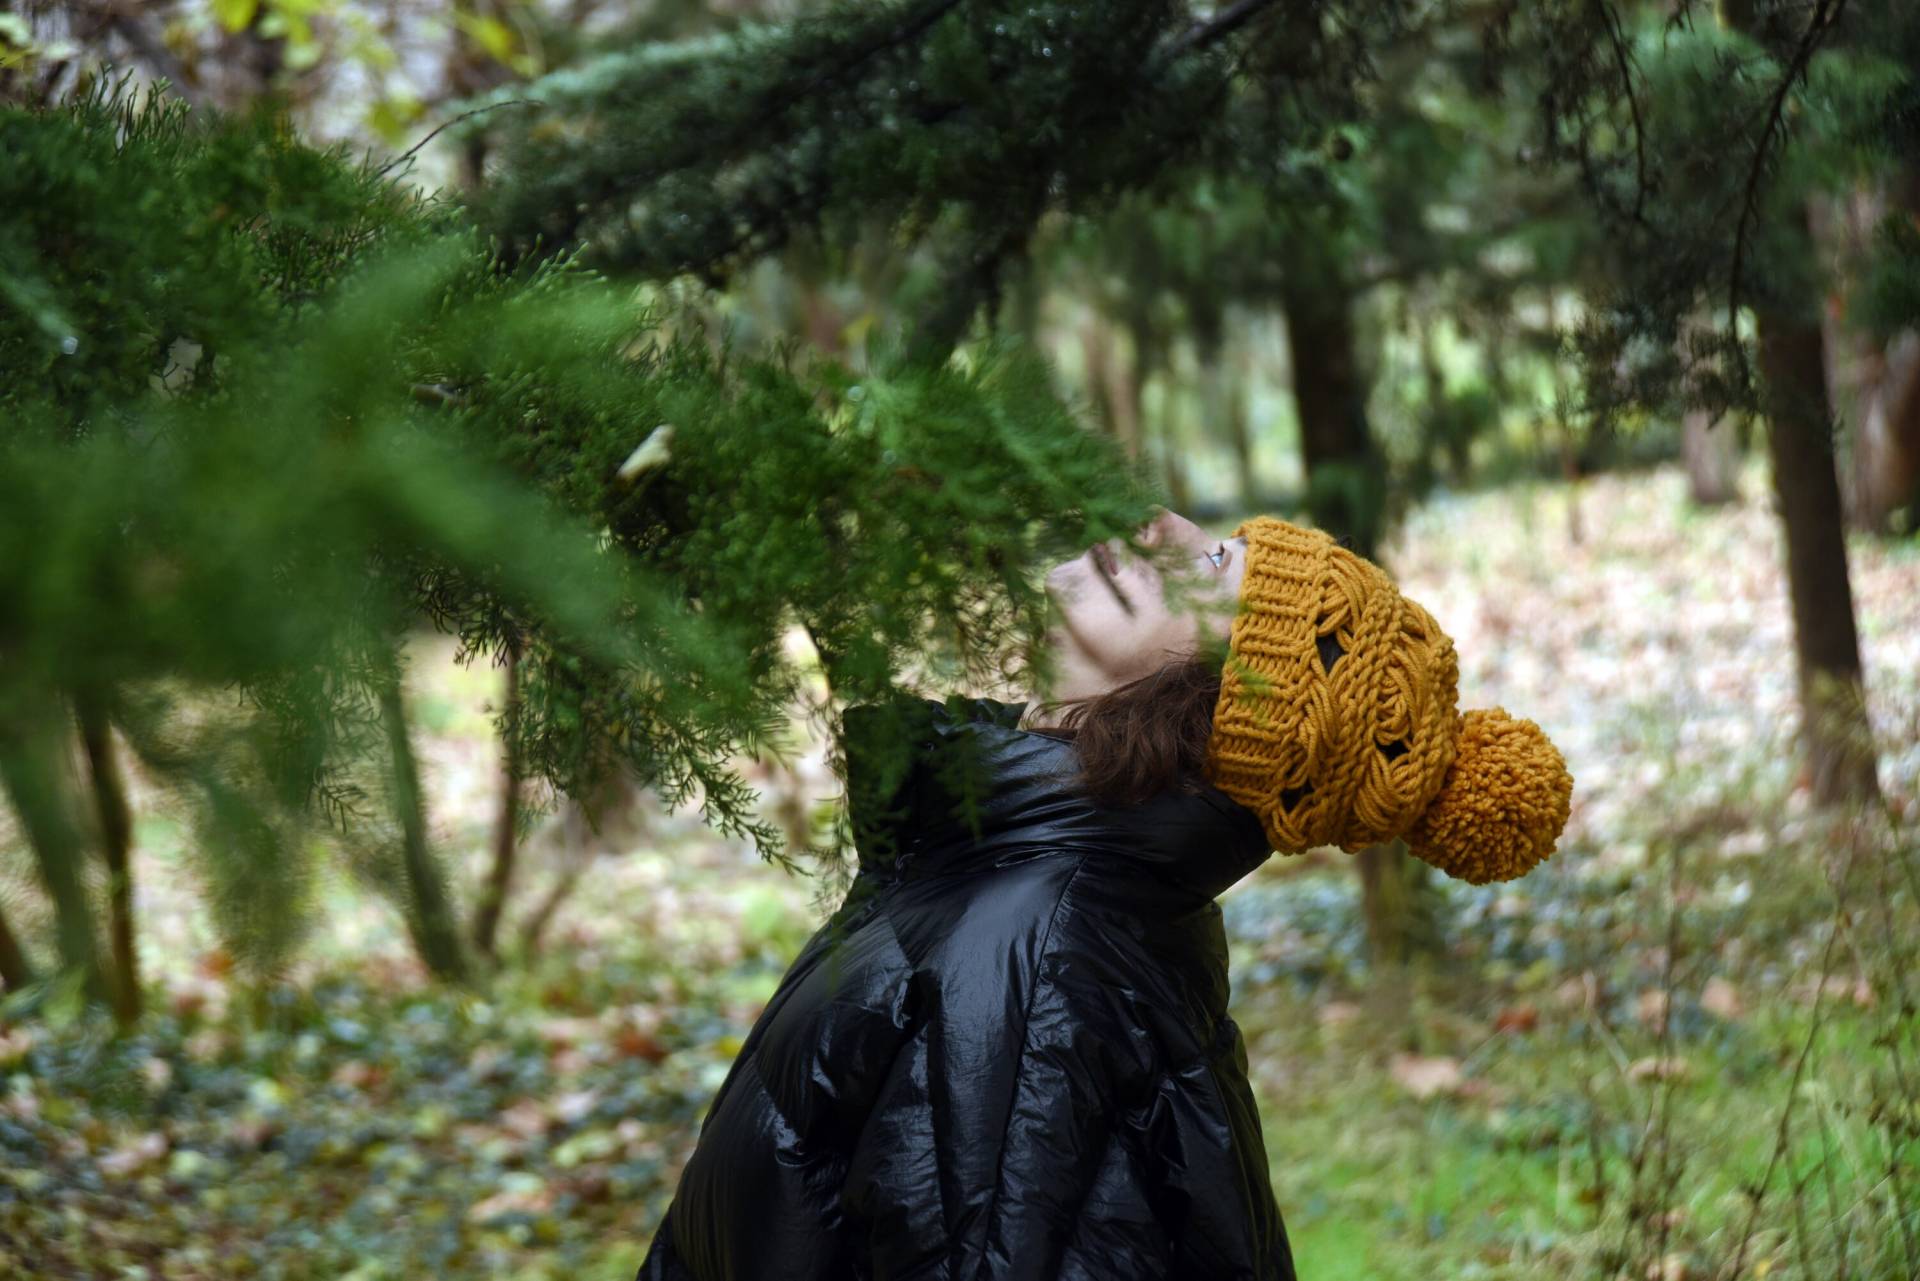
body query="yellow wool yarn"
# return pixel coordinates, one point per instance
(1360, 744)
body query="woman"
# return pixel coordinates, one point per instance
(1008, 1054)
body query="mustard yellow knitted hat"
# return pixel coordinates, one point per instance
(1336, 722)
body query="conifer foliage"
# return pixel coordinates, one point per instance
(265, 411)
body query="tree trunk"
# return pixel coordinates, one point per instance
(1563, 421)
(1712, 457)
(15, 971)
(1875, 383)
(34, 761)
(1223, 405)
(493, 895)
(1346, 477)
(1096, 346)
(575, 854)
(1173, 469)
(1396, 896)
(1346, 495)
(1885, 470)
(1230, 400)
(1709, 446)
(116, 843)
(430, 913)
(1834, 725)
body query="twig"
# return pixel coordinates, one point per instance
(156, 55)
(1616, 37)
(1824, 16)
(1221, 25)
(1758, 1194)
(414, 150)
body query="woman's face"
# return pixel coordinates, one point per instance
(1123, 616)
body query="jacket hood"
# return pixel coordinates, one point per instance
(938, 789)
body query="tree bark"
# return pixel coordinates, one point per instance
(116, 843)
(1874, 381)
(15, 971)
(1885, 470)
(1230, 397)
(575, 854)
(1096, 346)
(1224, 405)
(1712, 458)
(1346, 495)
(1834, 728)
(1346, 477)
(493, 895)
(430, 913)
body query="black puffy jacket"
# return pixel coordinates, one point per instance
(1007, 1056)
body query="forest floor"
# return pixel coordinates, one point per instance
(1605, 1065)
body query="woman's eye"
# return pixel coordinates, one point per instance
(1218, 557)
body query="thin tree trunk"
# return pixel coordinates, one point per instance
(1834, 728)
(34, 763)
(493, 894)
(1346, 491)
(1230, 401)
(1712, 457)
(15, 971)
(1346, 477)
(1569, 446)
(574, 857)
(1096, 346)
(1172, 467)
(1396, 897)
(116, 842)
(1885, 469)
(1130, 393)
(430, 913)
(1798, 404)
(1223, 402)
(1874, 382)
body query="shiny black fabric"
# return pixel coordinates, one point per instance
(1007, 1056)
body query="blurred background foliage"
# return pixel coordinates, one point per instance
(444, 442)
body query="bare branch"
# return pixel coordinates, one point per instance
(1221, 25)
(1826, 13)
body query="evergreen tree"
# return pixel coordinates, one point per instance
(265, 410)
(1805, 99)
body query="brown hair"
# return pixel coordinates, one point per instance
(1145, 737)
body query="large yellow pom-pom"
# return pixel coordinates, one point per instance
(1503, 803)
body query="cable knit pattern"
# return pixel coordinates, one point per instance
(1367, 751)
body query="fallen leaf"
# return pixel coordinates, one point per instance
(1654, 1068)
(1336, 1013)
(134, 1156)
(1720, 999)
(1517, 1018)
(1425, 1077)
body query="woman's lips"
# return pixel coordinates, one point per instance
(1104, 554)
